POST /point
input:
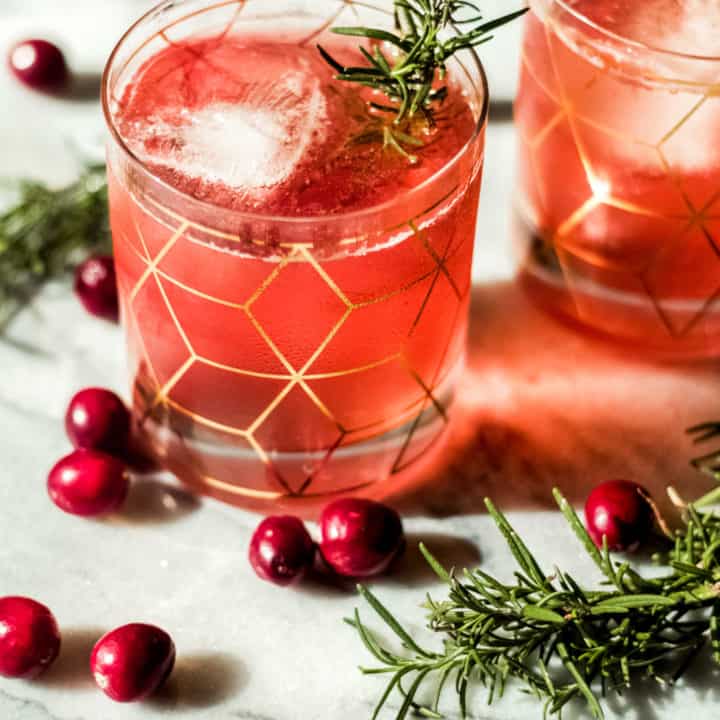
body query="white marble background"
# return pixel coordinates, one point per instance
(541, 406)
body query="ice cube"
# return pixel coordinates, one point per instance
(243, 146)
(247, 131)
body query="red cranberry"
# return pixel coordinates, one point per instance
(132, 661)
(96, 286)
(29, 637)
(97, 419)
(619, 511)
(39, 64)
(88, 483)
(360, 538)
(281, 550)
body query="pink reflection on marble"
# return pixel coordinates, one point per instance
(542, 405)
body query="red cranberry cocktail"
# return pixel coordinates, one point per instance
(294, 290)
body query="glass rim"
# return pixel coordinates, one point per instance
(247, 216)
(637, 44)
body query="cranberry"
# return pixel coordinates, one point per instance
(619, 511)
(132, 661)
(88, 483)
(360, 538)
(29, 637)
(97, 419)
(281, 550)
(39, 64)
(96, 286)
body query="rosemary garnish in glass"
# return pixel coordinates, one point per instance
(409, 65)
(557, 639)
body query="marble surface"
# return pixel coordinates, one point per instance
(540, 406)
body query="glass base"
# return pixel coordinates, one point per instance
(615, 304)
(233, 471)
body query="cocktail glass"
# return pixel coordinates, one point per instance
(279, 361)
(618, 213)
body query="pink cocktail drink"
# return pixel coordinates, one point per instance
(295, 293)
(620, 172)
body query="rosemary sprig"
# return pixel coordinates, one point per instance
(409, 65)
(559, 640)
(44, 232)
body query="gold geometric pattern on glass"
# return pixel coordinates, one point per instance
(601, 193)
(289, 378)
(292, 377)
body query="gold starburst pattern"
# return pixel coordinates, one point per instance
(563, 124)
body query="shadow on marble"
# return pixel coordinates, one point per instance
(23, 346)
(322, 582)
(501, 111)
(72, 668)
(649, 700)
(542, 405)
(84, 87)
(152, 500)
(201, 680)
(411, 569)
